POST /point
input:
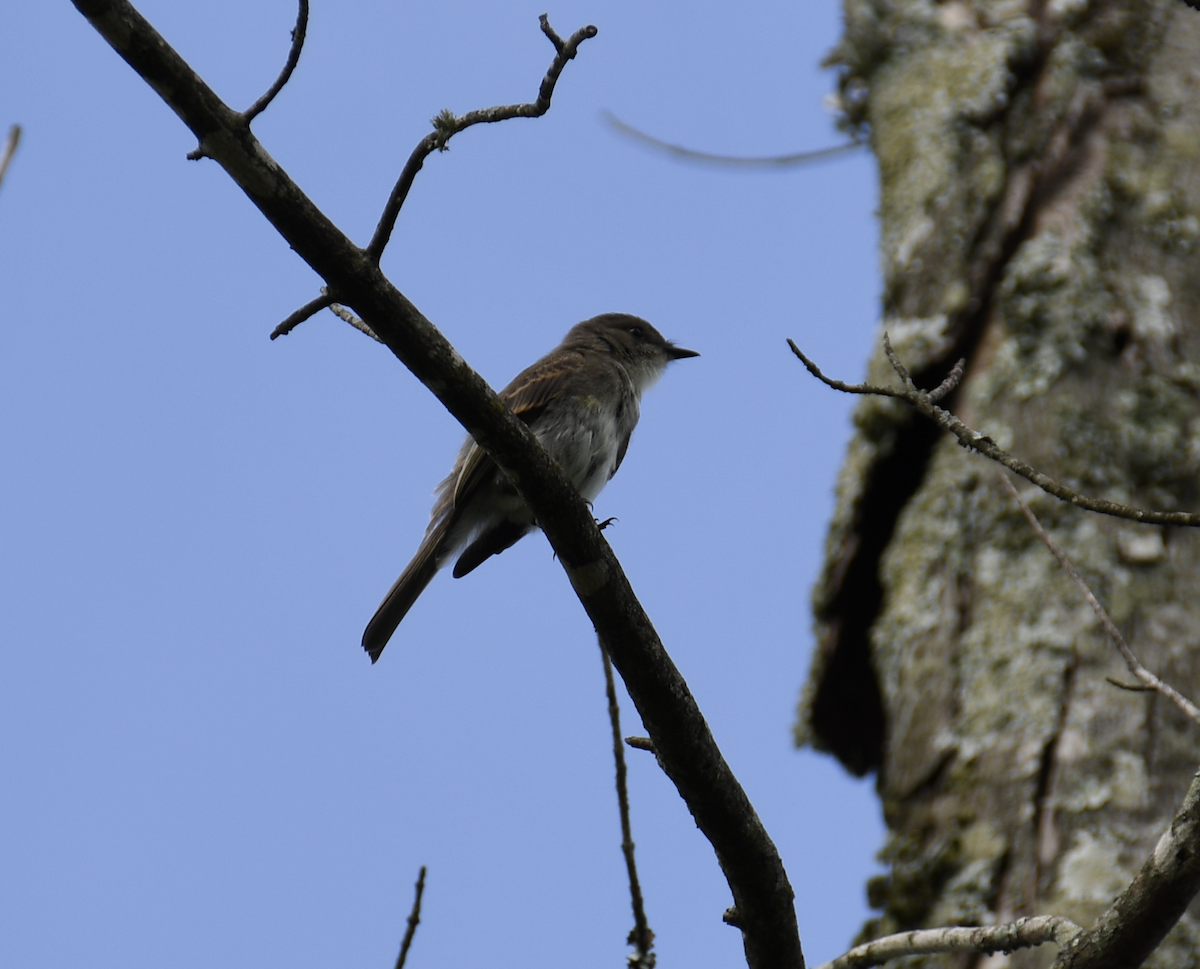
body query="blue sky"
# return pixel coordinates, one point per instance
(199, 765)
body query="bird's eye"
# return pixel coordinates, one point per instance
(636, 332)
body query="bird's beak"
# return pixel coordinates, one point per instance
(678, 353)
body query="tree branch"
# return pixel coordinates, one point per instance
(1148, 679)
(9, 149)
(311, 308)
(1146, 911)
(414, 919)
(726, 161)
(298, 33)
(925, 402)
(446, 125)
(1021, 934)
(641, 936)
(682, 739)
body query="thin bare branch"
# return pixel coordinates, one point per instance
(9, 149)
(447, 124)
(414, 919)
(923, 402)
(298, 32)
(1147, 678)
(1141, 916)
(311, 308)
(683, 741)
(953, 378)
(342, 313)
(1021, 934)
(640, 743)
(726, 161)
(641, 937)
(1131, 687)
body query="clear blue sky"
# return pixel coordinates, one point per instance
(198, 765)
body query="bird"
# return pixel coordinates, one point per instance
(582, 402)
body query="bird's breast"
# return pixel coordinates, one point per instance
(585, 436)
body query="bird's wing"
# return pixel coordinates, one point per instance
(624, 446)
(527, 396)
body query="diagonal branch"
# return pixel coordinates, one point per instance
(926, 403)
(447, 124)
(311, 308)
(1148, 909)
(1148, 679)
(9, 149)
(298, 32)
(414, 919)
(683, 742)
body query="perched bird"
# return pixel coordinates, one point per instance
(581, 401)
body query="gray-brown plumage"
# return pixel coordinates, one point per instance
(581, 401)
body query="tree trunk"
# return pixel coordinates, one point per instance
(1040, 205)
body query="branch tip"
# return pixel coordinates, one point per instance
(447, 125)
(293, 58)
(926, 404)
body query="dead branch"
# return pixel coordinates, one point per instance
(925, 403)
(298, 32)
(311, 308)
(446, 125)
(1147, 910)
(414, 919)
(1148, 679)
(641, 936)
(1021, 934)
(682, 739)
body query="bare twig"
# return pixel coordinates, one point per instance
(950, 383)
(640, 743)
(1021, 934)
(1131, 687)
(683, 741)
(726, 161)
(414, 919)
(1147, 678)
(9, 149)
(311, 308)
(342, 313)
(641, 937)
(285, 75)
(924, 402)
(447, 124)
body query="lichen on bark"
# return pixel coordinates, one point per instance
(1040, 215)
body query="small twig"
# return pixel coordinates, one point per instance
(726, 161)
(1021, 934)
(640, 743)
(641, 937)
(342, 313)
(923, 402)
(1147, 678)
(950, 383)
(9, 149)
(311, 308)
(1131, 687)
(447, 124)
(414, 919)
(293, 59)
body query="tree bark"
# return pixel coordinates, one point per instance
(1040, 215)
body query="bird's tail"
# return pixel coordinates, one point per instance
(400, 598)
